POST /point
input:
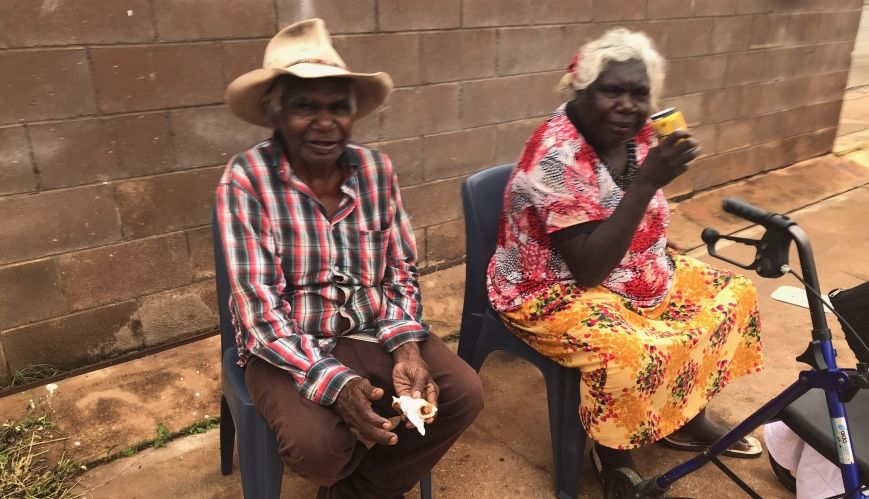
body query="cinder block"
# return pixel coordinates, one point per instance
(44, 84)
(510, 138)
(5, 375)
(201, 246)
(496, 12)
(434, 202)
(29, 24)
(448, 242)
(406, 157)
(16, 168)
(440, 60)
(421, 110)
(827, 87)
(735, 135)
(714, 8)
(768, 30)
(169, 202)
(787, 62)
(624, 10)
(720, 105)
(394, 53)
(770, 155)
(744, 68)
(705, 73)
(458, 153)
(86, 337)
(492, 101)
(689, 37)
(408, 15)
(674, 83)
(562, 11)
(30, 292)
(543, 95)
(341, 16)
(98, 149)
(137, 78)
(126, 270)
(55, 222)
(179, 313)
(419, 237)
(242, 56)
(729, 34)
(707, 137)
(681, 185)
(213, 19)
(211, 136)
(370, 128)
(768, 128)
(754, 6)
(668, 9)
(534, 49)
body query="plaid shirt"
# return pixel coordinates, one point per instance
(295, 273)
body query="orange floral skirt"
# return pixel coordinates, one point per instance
(647, 371)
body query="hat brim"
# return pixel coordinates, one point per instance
(244, 95)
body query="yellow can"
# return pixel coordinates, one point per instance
(668, 121)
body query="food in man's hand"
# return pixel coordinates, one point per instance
(417, 410)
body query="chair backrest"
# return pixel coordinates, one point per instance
(483, 200)
(227, 331)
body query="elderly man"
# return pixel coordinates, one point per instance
(325, 296)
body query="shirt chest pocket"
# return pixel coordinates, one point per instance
(366, 255)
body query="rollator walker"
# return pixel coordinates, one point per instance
(816, 405)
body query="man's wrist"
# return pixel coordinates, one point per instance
(406, 351)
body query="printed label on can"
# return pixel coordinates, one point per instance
(843, 440)
(668, 121)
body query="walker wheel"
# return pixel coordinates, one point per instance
(622, 483)
(785, 477)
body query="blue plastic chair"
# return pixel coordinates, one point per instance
(261, 464)
(482, 332)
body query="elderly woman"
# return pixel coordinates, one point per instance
(321, 261)
(582, 271)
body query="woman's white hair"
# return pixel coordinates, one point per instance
(616, 45)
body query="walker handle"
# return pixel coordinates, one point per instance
(747, 211)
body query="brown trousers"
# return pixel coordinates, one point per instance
(316, 443)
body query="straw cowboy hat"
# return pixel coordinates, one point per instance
(303, 50)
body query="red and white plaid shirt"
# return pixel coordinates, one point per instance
(295, 273)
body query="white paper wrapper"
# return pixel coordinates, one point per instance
(412, 408)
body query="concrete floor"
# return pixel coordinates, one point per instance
(507, 452)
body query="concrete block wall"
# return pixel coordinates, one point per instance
(113, 130)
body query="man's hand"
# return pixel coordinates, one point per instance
(411, 375)
(354, 406)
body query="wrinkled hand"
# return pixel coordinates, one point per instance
(669, 159)
(354, 406)
(411, 376)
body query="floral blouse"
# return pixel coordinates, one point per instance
(560, 182)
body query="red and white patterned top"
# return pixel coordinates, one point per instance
(560, 182)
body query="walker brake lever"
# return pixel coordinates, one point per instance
(771, 259)
(711, 236)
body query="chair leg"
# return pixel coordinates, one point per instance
(227, 437)
(261, 464)
(572, 439)
(425, 486)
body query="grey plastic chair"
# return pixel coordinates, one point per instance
(261, 465)
(482, 332)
